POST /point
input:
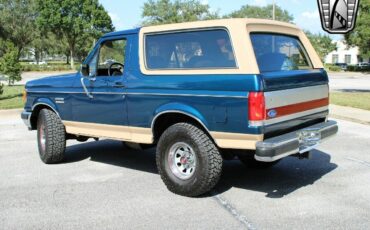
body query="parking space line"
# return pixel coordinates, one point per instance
(359, 161)
(233, 211)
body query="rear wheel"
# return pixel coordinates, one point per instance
(188, 161)
(51, 137)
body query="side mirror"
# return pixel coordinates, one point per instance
(85, 70)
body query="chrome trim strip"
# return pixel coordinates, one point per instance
(176, 111)
(188, 95)
(154, 94)
(281, 98)
(288, 117)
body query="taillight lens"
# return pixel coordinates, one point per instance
(256, 106)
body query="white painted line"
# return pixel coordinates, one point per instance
(359, 161)
(234, 212)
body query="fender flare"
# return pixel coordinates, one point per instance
(181, 109)
(43, 102)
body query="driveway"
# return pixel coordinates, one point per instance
(102, 185)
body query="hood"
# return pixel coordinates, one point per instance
(64, 80)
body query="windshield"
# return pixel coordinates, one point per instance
(276, 52)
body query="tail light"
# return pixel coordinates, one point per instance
(256, 106)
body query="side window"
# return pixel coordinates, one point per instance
(110, 59)
(189, 50)
(93, 64)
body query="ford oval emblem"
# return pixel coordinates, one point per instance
(272, 113)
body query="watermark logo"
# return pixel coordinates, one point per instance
(338, 16)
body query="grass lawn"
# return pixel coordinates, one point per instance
(12, 97)
(356, 100)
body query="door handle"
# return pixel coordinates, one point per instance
(118, 84)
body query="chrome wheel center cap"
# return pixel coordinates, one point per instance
(182, 160)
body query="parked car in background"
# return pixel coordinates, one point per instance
(363, 65)
(201, 92)
(343, 66)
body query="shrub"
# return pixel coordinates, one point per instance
(48, 67)
(355, 68)
(9, 64)
(332, 68)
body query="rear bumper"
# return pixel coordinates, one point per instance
(275, 148)
(26, 117)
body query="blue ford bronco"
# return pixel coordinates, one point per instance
(201, 92)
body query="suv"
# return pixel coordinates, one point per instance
(201, 92)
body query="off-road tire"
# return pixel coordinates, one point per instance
(209, 161)
(55, 137)
(250, 162)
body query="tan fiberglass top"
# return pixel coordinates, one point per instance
(239, 30)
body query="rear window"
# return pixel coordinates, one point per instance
(189, 50)
(275, 52)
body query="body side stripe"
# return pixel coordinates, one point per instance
(145, 135)
(297, 108)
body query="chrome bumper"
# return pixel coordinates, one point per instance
(26, 117)
(275, 148)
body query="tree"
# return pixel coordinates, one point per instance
(265, 12)
(9, 64)
(167, 11)
(323, 44)
(1, 88)
(360, 36)
(17, 22)
(72, 20)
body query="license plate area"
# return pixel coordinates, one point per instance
(308, 139)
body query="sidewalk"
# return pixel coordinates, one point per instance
(350, 114)
(9, 114)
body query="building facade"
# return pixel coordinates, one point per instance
(345, 54)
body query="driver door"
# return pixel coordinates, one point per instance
(107, 105)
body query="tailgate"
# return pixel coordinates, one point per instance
(296, 92)
(291, 109)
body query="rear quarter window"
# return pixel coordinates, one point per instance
(189, 50)
(276, 52)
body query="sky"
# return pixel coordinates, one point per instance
(126, 14)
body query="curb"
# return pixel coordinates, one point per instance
(349, 119)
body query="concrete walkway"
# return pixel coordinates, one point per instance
(350, 114)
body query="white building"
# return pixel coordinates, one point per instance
(344, 54)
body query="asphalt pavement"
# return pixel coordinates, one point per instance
(103, 185)
(349, 81)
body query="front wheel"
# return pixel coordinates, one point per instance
(51, 137)
(188, 161)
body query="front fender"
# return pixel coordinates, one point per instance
(180, 108)
(45, 102)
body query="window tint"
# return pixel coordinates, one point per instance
(189, 50)
(110, 52)
(276, 52)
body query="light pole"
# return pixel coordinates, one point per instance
(273, 9)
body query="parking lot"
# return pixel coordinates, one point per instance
(103, 185)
